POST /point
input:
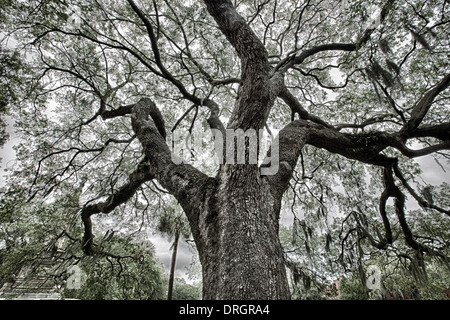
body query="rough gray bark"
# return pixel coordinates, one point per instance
(250, 253)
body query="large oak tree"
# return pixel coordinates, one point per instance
(361, 82)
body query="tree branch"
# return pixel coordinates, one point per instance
(423, 105)
(256, 90)
(142, 174)
(187, 184)
(400, 145)
(377, 119)
(183, 181)
(290, 61)
(289, 143)
(119, 112)
(296, 107)
(439, 131)
(419, 199)
(166, 74)
(399, 203)
(293, 137)
(237, 31)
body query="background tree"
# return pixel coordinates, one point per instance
(40, 246)
(173, 223)
(358, 90)
(130, 273)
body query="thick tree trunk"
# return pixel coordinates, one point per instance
(234, 217)
(245, 259)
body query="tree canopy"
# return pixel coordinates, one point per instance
(353, 90)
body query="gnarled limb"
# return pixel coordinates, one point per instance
(187, 184)
(256, 92)
(300, 132)
(142, 174)
(289, 144)
(296, 134)
(439, 131)
(423, 105)
(183, 181)
(367, 147)
(361, 147)
(393, 191)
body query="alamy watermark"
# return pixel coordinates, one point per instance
(230, 147)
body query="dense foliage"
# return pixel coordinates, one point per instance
(40, 247)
